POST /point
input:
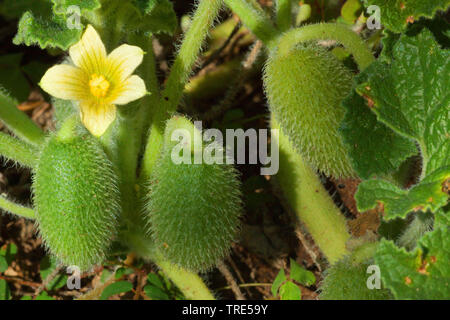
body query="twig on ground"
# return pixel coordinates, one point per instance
(231, 281)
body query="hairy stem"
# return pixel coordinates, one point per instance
(152, 125)
(327, 31)
(310, 201)
(18, 150)
(284, 14)
(16, 209)
(203, 19)
(190, 284)
(255, 20)
(18, 122)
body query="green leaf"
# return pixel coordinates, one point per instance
(5, 293)
(12, 78)
(301, 275)
(47, 30)
(388, 40)
(290, 291)
(411, 95)
(429, 194)
(395, 14)
(155, 280)
(159, 16)
(123, 272)
(155, 293)
(106, 274)
(44, 296)
(279, 279)
(421, 274)
(3, 264)
(116, 288)
(374, 148)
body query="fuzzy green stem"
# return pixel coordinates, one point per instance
(121, 146)
(327, 31)
(255, 20)
(190, 284)
(284, 14)
(310, 201)
(16, 209)
(18, 122)
(152, 126)
(204, 17)
(18, 150)
(202, 21)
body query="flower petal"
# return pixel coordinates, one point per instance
(89, 53)
(132, 89)
(123, 61)
(65, 82)
(97, 117)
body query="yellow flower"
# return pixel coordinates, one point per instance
(98, 81)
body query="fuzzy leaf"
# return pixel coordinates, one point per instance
(159, 16)
(375, 149)
(430, 194)
(396, 14)
(411, 95)
(46, 31)
(421, 274)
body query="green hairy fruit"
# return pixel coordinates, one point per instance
(193, 209)
(305, 89)
(76, 198)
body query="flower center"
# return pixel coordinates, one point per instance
(99, 85)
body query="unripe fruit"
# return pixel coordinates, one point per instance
(193, 209)
(76, 198)
(305, 89)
